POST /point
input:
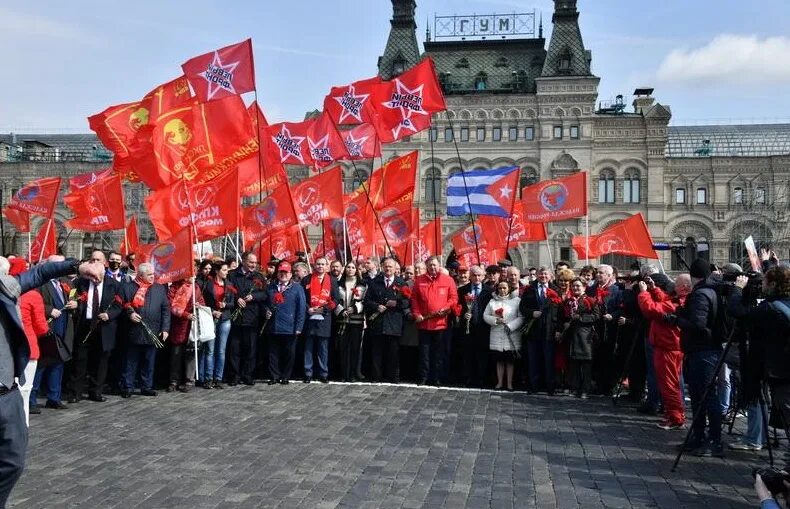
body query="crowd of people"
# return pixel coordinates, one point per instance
(549, 329)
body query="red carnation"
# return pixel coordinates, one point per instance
(553, 297)
(500, 312)
(469, 298)
(278, 298)
(232, 289)
(66, 288)
(356, 292)
(118, 300)
(405, 291)
(83, 297)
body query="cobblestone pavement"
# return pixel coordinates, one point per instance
(365, 446)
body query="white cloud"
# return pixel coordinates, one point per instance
(730, 58)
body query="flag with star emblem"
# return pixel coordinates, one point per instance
(98, 205)
(350, 104)
(19, 218)
(405, 103)
(629, 237)
(361, 142)
(320, 197)
(325, 143)
(482, 192)
(222, 73)
(37, 197)
(286, 143)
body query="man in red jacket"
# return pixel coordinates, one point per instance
(433, 299)
(665, 339)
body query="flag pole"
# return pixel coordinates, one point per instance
(304, 246)
(370, 202)
(551, 257)
(44, 243)
(466, 190)
(2, 224)
(29, 244)
(236, 247)
(437, 236)
(512, 206)
(345, 245)
(587, 237)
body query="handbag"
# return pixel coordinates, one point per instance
(52, 348)
(203, 328)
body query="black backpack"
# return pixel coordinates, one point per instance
(722, 324)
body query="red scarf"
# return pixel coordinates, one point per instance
(139, 297)
(321, 292)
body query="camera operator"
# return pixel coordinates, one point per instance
(769, 328)
(764, 492)
(700, 339)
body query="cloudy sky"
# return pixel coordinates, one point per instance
(710, 60)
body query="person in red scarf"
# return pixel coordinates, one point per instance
(610, 296)
(322, 295)
(579, 315)
(434, 297)
(148, 309)
(182, 358)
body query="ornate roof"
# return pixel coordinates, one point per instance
(401, 50)
(566, 55)
(728, 140)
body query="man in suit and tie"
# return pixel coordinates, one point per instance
(476, 342)
(384, 300)
(96, 320)
(540, 340)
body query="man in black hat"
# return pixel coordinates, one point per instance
(701, 346)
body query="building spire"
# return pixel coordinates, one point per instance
(402, 51)
(566, 55)
(540, 27)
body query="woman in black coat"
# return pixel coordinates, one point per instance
(579, 315)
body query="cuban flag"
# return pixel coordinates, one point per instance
(491, 192)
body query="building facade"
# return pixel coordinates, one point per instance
(521, 101)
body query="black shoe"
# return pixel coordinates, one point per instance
(307, 380)
(323, 380)
(283, 381)
(125, 394)
(98, 398)
(56, 405)
(207, 385)
(710, 450)
(35, 409)
(74, 399)
(217, 385)
(248, 382)
(233, 384)
(147, 392)
(271, 382)
(551, 392)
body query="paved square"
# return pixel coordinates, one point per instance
(364, 446)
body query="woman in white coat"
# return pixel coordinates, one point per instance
(504, 318)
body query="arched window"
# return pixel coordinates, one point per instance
(631, 186)
(481, 81)
(527, 178)
(606, 187)
(433, 185)
(737, 196)
(398, 66)
(758, 231)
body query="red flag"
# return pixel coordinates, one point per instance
(405, 103)
(556, 200)
(360, 222)
(37, 197)
(429, 240)
(276, 212)
(117, 127)
(496, 229)
(393, 182)
(628, 237)
(256, 115)
(222, 73)
(325, 143)
(487, 257)
(130, 242)
(281, 245)
(397, 224)
(464, 240)
(84, 180)
(351, 104)
(320, 197)
(213, 207)
(45, 244)
(286, 143)
(19, 218)
(202, 142)
(97, 206)
(327, 245)
(254, 179)
(361, 142)
(172, 258)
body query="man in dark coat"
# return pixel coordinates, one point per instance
(146, 304)
(385, 300)
(476, 343)
(250, 287)
(535, 305)
(14, 354)
(322, 296)
(609, 295)
(96, 321)
(58, 307)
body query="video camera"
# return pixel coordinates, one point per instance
(754, 287)
(773, 479)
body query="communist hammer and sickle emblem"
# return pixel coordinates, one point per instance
(308, 196)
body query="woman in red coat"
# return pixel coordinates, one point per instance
(34, 321)
(182, 354)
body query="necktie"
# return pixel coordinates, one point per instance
(476, 290)
(59, 291)
(388, 282)
(95, 306)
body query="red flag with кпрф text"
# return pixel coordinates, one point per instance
(320, 197)
(629, 237)
(221, 73)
